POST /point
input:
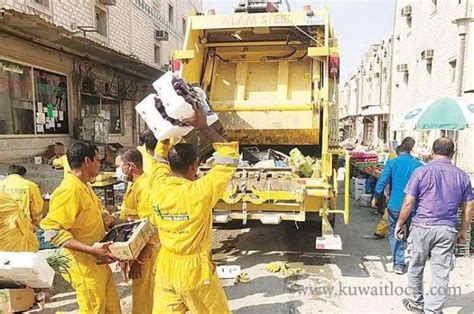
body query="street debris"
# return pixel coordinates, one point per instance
(283, 269)
(242, 278)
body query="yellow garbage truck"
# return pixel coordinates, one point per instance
(272, 78)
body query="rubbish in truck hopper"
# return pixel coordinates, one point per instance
(301, 163)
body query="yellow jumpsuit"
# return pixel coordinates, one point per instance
(16, 232)
(382, 226)
(137, 205)
(27, 194)
(75, 212)
(182, 211)
(150, 164)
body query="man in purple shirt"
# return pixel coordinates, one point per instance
(437, 190)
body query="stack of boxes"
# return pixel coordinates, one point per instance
(175, 107)
(463, 249)
(357, 188)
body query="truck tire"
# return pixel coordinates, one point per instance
(314, 217)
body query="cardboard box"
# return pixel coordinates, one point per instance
(16, 300)
(26, 268)
(130, 249)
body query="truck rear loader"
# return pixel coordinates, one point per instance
(272, 78)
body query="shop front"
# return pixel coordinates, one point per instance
(50, 83)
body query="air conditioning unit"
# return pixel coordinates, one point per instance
(402, 67)
(161, 35)
(108, 2)
(427, 54)
(406, 11)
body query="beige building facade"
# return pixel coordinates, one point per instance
(62, 60)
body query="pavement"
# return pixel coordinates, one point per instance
(358, 279)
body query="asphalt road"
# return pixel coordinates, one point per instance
(358, 279)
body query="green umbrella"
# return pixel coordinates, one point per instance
(444, 114)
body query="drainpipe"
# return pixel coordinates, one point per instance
(463, 24)
(463, 27)
(390, 68)
(380, 96)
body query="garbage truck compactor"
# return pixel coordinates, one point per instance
(272, 78)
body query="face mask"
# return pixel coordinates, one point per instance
(120, 175)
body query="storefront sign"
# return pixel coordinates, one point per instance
(11, 67)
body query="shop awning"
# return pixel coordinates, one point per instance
(33, 28)
(373, 110)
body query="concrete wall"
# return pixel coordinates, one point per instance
(130, 29)
(431, 28)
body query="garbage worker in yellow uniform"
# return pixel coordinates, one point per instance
(75, 222)
(148, 146)
(25, 192)
(185, 274)
(136, 205)
(16, 231)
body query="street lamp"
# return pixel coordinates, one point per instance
(463, 27)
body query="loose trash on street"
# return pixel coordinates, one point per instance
(242, 278)
(282, 268)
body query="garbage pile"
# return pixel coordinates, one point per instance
(300, 165)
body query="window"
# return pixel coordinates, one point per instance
(170, 14)
(184, 26)
(157, 54)
(452, 70)
(32, 101)
(107, 108)
(16, 99)
(51, 101)
(44, 3)
(101, 21)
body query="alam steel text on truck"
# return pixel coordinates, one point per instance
(272, 79)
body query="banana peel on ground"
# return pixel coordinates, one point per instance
(242, 278)
(283, 269)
